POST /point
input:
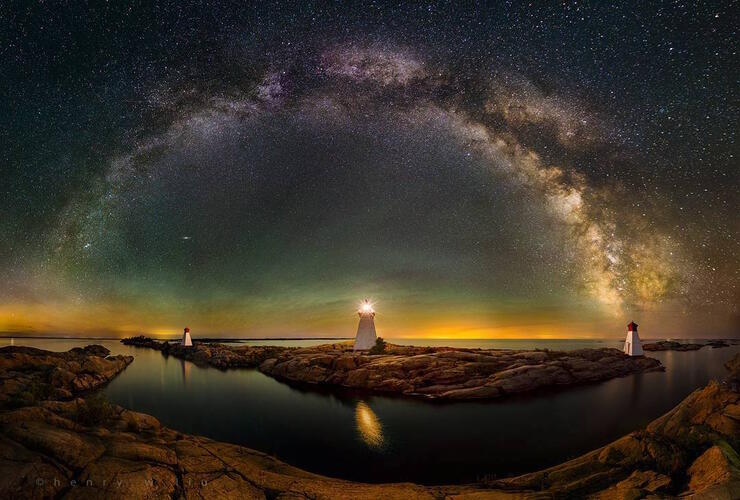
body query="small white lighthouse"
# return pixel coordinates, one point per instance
(186, 340)
(632, 345)
(365, 338)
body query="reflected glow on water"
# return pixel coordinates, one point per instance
(368, 426)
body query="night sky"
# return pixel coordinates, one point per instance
(489, 170)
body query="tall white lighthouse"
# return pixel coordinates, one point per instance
(365, 338)
(632, 345)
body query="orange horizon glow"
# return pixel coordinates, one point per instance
(115, 321)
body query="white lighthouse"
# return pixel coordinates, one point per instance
(632, 345)
(186, 340)
(365, 338)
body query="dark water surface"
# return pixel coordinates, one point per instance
(375, 438)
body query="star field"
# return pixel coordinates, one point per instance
(493, 169)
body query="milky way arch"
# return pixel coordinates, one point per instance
(206, 162)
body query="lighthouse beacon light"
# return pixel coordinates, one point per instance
(366, 308)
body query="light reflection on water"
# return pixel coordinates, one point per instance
(186, 367)
(368, 426)
(332, 432)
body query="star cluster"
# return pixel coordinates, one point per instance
(481, 170)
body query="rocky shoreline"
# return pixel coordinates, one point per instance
(29, 375)
(215, 355)
(440, 373)
(47, 451)
(691, 451)
(672, 345)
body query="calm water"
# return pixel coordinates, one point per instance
(371, 438)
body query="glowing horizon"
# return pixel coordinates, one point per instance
(416, 322)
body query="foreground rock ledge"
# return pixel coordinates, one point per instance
(428, 372)
(46, 453)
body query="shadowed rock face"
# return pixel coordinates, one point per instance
(28, 375)
(428, 372)
(46, 452)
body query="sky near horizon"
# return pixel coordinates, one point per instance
(476, 171)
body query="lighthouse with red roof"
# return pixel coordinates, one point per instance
(186, 340)
(632, 345)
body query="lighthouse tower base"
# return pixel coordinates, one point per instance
(186, 340)
(366, 336)
(632, 345)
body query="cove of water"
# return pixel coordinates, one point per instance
(377, 439)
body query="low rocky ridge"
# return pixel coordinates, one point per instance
(28, 375)
(46, 452)
(211, 354)
(429, 372)
(453, 373)
(672, 345)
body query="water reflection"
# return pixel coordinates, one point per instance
(636, 395)
(368, 425)
(186, 366)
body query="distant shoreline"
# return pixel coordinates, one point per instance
(248, 339)
(203, 339)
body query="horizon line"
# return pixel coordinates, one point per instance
(60, 337)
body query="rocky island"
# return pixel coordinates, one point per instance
(672, 345)
(48, 450)
(427, 372)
